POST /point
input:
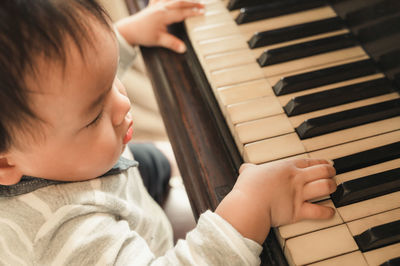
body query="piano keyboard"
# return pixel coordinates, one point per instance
(291, 81)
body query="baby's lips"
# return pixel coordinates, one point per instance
(128, 135)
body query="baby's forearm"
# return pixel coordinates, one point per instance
(249, 217)
(127, 27)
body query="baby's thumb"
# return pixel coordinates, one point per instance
(245, 166)
(171, 42)
(315, 211)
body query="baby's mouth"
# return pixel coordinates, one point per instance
(128, 135)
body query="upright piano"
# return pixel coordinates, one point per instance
(266, 80)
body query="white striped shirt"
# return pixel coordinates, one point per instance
(110, 221)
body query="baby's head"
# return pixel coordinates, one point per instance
(63, 113)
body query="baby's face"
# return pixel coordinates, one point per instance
(86, 111)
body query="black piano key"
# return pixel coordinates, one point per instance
(276, 8)
(373, 12)
(382, 29)
(389, 62)
(305, 49)
(389, 59)
(366, 158)
(236, 4)
(349, 118)
(392, 262)
(397, 79)
(269, 37)
(324, 99)
(324, 76)
(367, 187)
(379, 236)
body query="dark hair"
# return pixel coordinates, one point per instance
(32, 28)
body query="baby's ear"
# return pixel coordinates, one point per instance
(9, 174)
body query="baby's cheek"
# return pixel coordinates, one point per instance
(121, 88)
(107, 146)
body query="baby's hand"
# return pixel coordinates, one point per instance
(286, 186)
(277, 193)
(149, 26)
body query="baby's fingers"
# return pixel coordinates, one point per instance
(171, 42)
(245, 166)
(319, 171)
(303, 163)
(318, 188)
(315, 211)
(179, 10)
(183, 4)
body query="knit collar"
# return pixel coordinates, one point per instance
(28, 183)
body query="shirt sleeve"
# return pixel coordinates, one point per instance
(101, 239)
(111, 221)
(213, 242)
(127, 54)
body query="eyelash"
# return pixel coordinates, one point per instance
(96, 120)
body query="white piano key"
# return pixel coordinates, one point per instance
(273, 149)
(252, 121)
(370, 207)
(265, 107)
(295, 41)
(254, 109)
(235, 75)
(350, 259)
(352, 134)
(320, 245)
(244, 91)
(359, 226)
(263, 128)
(246, 55)
(273, 80)
(215, 17)
(370, 170)
(308, 226)
(379, 256)
(207, 32)
(222, 45)
(284, 99)
(298, 119)
(360, 145)
(248, 29)
(215, 6)
(229, 59)
(210, 17)
(265, 150)
(321, 60)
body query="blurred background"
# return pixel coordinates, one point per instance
(149, 127)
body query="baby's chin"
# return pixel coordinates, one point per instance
(109, 162)
(99, 169)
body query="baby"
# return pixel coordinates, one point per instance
(67, 197)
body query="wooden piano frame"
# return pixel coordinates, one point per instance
(205, 151)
